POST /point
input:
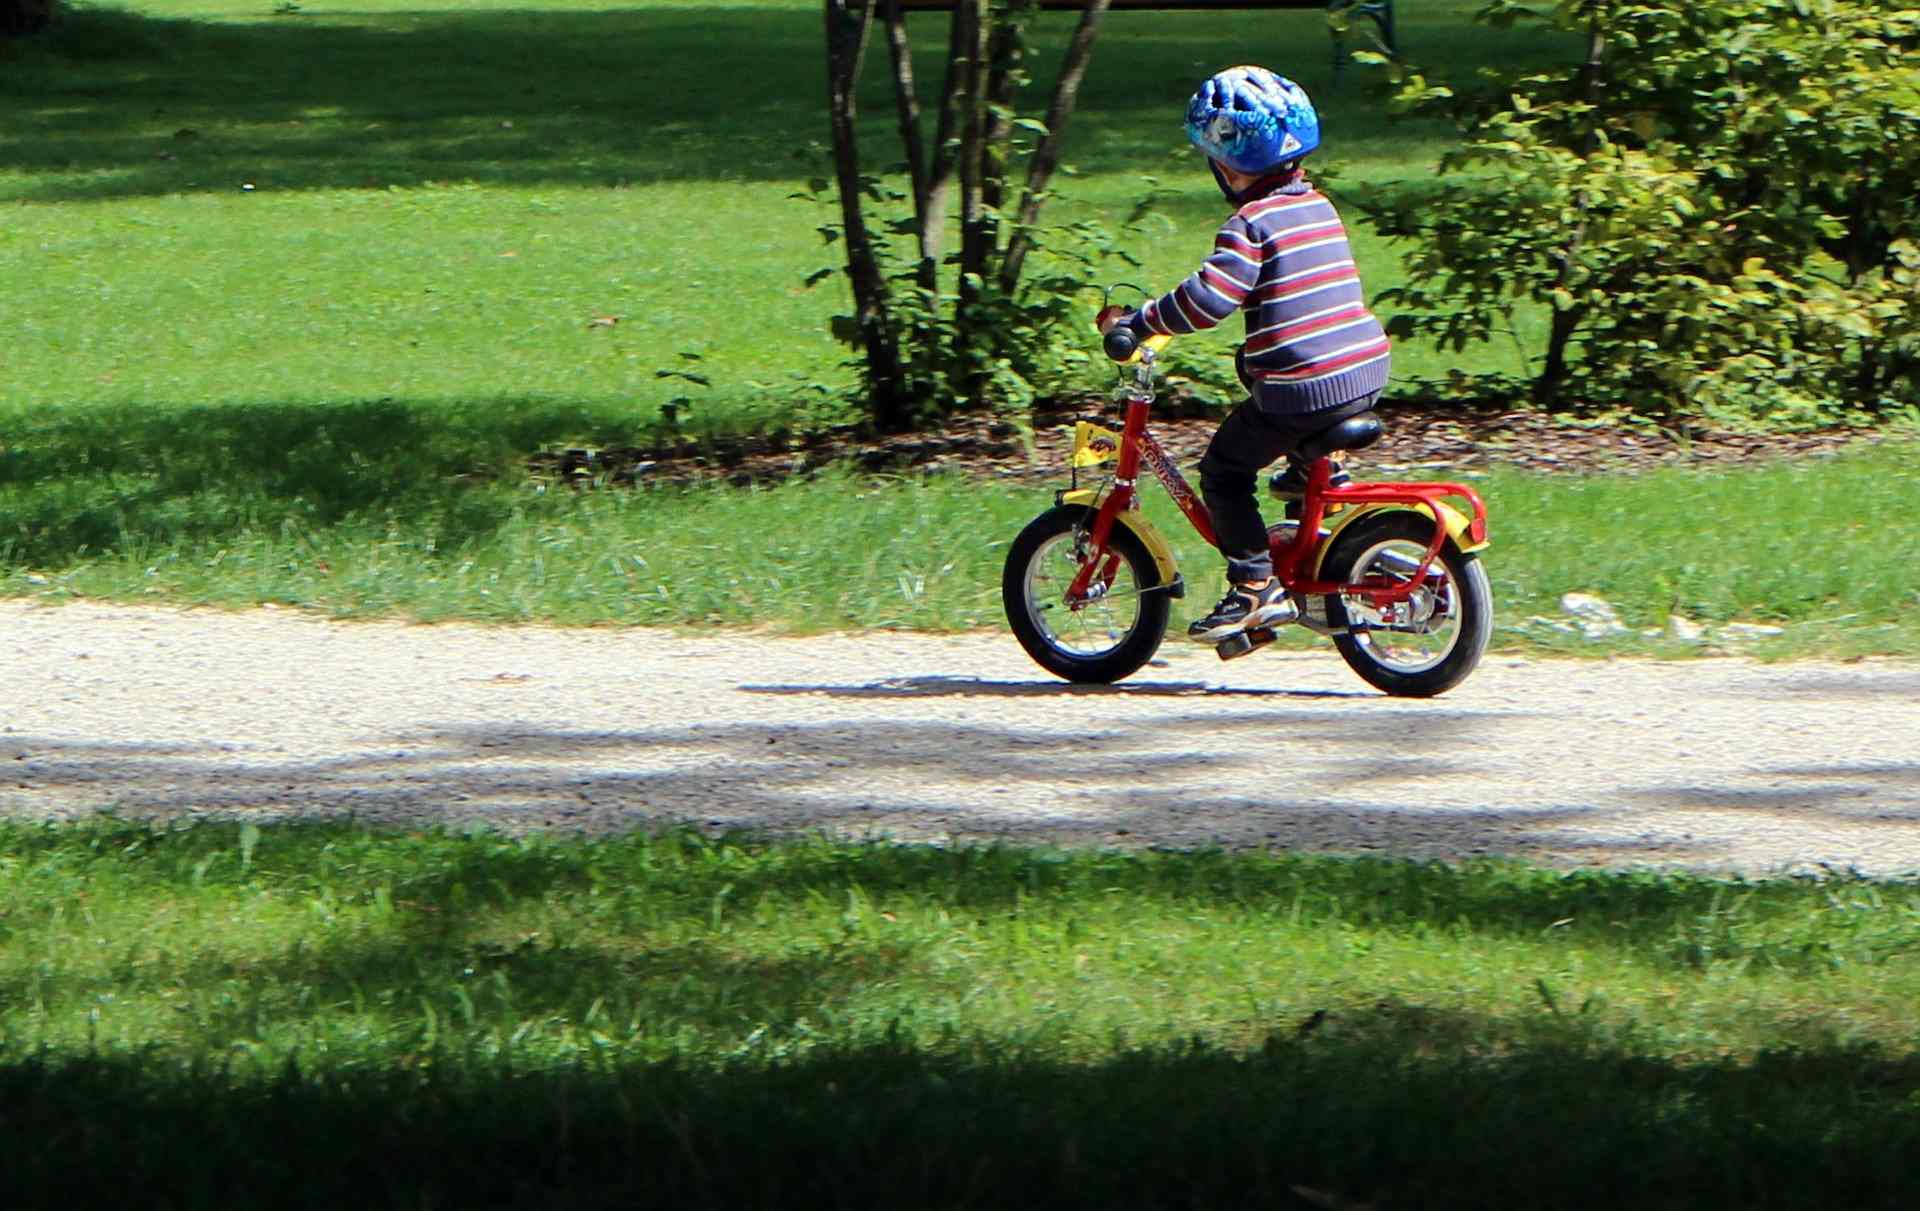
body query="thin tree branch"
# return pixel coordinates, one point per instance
(1004, 58)
(847, 25)
(1046, 157)
(943, 161)
(972, 204)
(907, 103)
(1566, 322)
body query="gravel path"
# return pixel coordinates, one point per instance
(1716, 764)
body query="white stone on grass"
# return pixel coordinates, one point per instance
(1686, 630)
(1595, 616)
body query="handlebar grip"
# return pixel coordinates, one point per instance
(1120, 343)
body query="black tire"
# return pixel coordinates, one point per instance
(1432, 652)
(1104, 640)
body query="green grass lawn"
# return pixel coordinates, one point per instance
(291, 297)
(432, 201)
(320, 1016)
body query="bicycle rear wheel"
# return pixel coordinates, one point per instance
(1108, 636)
(1431, 642)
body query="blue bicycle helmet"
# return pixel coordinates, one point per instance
(1252, 121)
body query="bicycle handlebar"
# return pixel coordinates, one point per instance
(1122, 345)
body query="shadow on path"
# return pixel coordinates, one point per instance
(1291, 778)
(980, 687)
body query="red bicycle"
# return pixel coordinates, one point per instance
(1389, 571)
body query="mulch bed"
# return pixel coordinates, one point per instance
(1425, 437)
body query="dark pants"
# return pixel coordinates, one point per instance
(1245, 444)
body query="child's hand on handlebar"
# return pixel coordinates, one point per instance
(1120, 339)
(1116, 337)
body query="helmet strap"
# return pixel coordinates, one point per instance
(1282, 177)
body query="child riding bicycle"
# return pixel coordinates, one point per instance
(1314, 354)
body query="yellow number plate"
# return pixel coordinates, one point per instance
(1093, 444)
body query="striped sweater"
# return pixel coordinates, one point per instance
(1284, 260)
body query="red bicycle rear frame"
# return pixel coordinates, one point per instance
(1137, 445)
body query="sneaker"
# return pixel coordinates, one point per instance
(1245, 606)
(1291, 484)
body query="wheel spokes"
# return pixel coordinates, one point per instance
(1419, 632)
(1099, 624)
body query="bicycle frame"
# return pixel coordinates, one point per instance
(1294, 561)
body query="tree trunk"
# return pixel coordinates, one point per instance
(848, 22)
(984, 157)
(930, 171)
(1004, 58)
(907, 102)
(21, 17)
(1553, 371)
(943, 163)
(966, 349)
(972, 135)
(1046, 157)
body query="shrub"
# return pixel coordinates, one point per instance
(937, 329)
(19, 17)
(1718, 205)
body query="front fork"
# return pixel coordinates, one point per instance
(1096, 576)
(1118, 500)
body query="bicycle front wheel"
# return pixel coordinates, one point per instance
(1110, 634)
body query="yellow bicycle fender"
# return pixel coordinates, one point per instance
(1455, 521)
(1142, 528)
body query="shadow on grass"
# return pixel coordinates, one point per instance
(1426, 1107)
(1341, 1123)
(146, 476)
(454, 964)
(518, 97)
(120, 106)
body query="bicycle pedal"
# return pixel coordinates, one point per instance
(1235, 646)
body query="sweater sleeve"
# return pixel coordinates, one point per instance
(1214, 291)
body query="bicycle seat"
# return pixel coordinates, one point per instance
(1355, 432)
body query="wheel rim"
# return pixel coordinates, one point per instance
(1425, 629)
(1096, 628)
